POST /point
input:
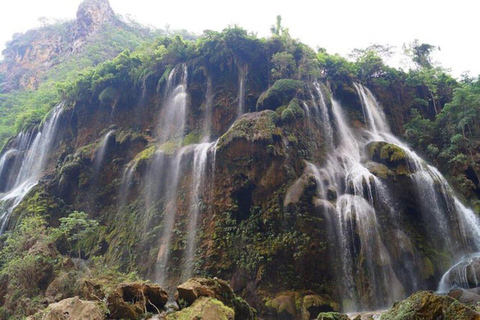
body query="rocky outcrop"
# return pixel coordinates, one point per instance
(72, 309)
(126, 300)
(29, 56)
(218, 289)
(296, 305)
(131, 300)
(206, 309)
(91, 15)
(332, 316)
(470, 297)
(424, 305)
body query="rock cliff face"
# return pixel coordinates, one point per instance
(294, 190)
(29, 56)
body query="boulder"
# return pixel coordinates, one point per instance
(73, 309)
(206, 309)
(313, 305)
(132, 300)
(469, 297)
(195, 288)
(465, 274)
(393, 157)
(332, 316)
(425, 305)
(296, 305)
(284, 306)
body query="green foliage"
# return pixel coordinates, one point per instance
(420, 53)
(76, 228)
(284, 65)
(452, 138)
(335, 67)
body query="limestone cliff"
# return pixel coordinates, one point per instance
(29, 56)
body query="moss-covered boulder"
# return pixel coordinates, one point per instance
(281, 93)
(252, 127)
(284, 305)
(206, 309)
(132, 300)
(298, 305)
(425, 305)
(195, 288)
(129, 300)
(332, 316)
(393, 157)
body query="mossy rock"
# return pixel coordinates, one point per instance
(332, 316)
(281, 93)
(284, 305)
(256, 126)
(392, 156)
(204, 308)
(313, 305)
(425, 305)
(191, 290)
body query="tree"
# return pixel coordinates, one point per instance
(76, 228)
(277, 28)
(421, 53)
(284, 65)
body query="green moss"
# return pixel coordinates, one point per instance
(169, 147)
(108, 95)
(145, 155)
(332, 316)
(281, 93)
(252, 127)
(428, 269)
(288, 116)
(204, 308)
(126, 134)
(392, 152)
(191, 138)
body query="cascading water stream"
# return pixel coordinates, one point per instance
(370, 275)
(207, 122)
(169, 214)
(242, 79)
(101, 152)
(198, 179)
(30, 166)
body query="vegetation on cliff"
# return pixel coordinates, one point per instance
(266, 231)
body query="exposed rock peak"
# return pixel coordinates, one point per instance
(91, 14)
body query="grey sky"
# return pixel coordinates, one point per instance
(337, 25)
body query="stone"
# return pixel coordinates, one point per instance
(206, 309)
(131, 300)
(470, 297)
(219, 289)
(332, 316)
(425, 305)
(73, 309)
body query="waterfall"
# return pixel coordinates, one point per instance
(172, 119)
(371, 277)
(324, 114)
(242, 79)
(35, 149)
(100, 153)
(207, 122)
(169, 214)
(198, 180)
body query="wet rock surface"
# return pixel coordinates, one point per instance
(425, 305)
